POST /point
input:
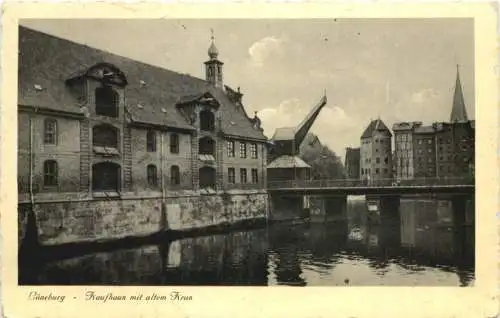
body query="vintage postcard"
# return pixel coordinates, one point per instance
(225, 160)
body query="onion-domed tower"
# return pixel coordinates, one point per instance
(213, 67)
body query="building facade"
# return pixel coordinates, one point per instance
(352, 162)
(403, 150)
(440, 150)
(96, 126)
(424, 152)
(376, 152)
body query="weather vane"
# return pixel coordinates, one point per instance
(212, 34)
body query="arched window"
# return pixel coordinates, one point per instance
(174, 143)
(106, 176)
(152, 175)
(207, 177)
(175, 178)
(50, 131)
(50, 173)
(105, 136)
(151, 141)
(207, 120)
(106, 101)
(206, 146)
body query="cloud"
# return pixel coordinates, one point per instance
(264, 49)
(423, 96)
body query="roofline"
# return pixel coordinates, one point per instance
(161, 127)
(50, 112)
(244, 138)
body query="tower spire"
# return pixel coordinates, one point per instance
(458, 111)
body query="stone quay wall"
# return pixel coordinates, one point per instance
(95, 220)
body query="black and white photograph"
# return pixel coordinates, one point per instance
(246, 152)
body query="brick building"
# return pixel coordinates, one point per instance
(443, 149)
(352, 161)
(95, 124)
(424, 149)
(376, 152)
(403, 150)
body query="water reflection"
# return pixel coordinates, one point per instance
(415, 244)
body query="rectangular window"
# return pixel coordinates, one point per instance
(420, 142)
(377, 160)
(376, 171)
(50, 132)
(243, 150)
(174, 143)
(253, 151)
(429, 150)
(230, 149)
(50, 173)
(231, 176)
(429, 141)
(243, 175)
(152, 175)
(255, 176)
(151, 141)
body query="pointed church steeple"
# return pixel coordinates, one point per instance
(213, 67)
(458, 111)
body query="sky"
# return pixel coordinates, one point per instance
(395, 70)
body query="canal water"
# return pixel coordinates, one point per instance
(415, 246)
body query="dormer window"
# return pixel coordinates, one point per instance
(207, 120)
(106, 101)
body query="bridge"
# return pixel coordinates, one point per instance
(464, 185)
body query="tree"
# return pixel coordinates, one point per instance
(325, 164)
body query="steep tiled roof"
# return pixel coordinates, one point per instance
(284, 133)
(49, 61)
(375, 125)
(288, 162)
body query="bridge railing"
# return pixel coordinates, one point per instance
(353, 183)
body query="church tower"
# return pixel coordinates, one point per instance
(458, 111)
(213, 67)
